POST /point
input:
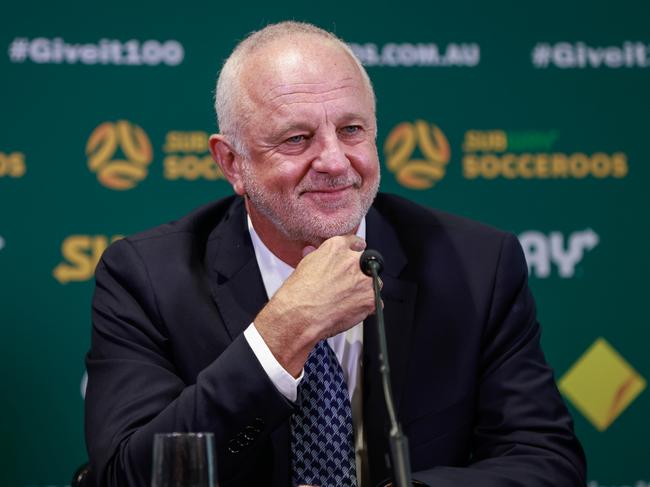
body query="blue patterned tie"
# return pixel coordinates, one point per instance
(322, 439)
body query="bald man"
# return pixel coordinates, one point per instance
(210, 323)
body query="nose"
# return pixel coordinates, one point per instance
(331, 158)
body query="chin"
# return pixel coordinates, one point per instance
(321, 228)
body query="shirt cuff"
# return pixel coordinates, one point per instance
(283, 380)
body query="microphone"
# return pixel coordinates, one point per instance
(371, 259)
(372, 263)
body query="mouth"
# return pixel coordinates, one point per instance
(328, 190)
(333, 198)
(331, 187)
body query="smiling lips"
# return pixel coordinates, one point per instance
(338, 197)
(332, 192)
(328, 190)
(331, 185)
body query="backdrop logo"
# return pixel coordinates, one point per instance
(412, 168)
(531, 154)
(542, 251)
(12, 165)
(114, 170)
(187, 157)
(601, 384)
(42, 50)
(81, 253)
(418, 54)
(2, 242)
(580, 55)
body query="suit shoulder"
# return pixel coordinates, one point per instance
(199, 221)
(190, 231)
(407, 215)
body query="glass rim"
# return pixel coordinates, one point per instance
(178, 434)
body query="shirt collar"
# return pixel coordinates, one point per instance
(275, 271)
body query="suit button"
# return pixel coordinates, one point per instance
(250, 433)
(258, 424)
(243, 440)
(235, 446)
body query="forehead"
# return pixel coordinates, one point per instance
(292, 72)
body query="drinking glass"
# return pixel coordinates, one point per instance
(184, 460)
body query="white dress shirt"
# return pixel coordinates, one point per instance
(347, 345)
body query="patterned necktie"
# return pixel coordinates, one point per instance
(322, 439)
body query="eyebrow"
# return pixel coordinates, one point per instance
(282, 132)
(351, 116)
(307, 127)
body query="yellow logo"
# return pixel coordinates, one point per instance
(12, 165)
(491, 154)
(601, 384)
(400, 146)
(101, 148)
(188, 157)
(81, 253)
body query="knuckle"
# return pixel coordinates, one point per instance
(336, 241)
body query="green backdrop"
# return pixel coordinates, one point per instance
(530, 116)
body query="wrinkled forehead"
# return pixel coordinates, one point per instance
(301, 65)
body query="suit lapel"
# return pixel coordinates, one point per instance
(398, 295)
(238, 290)
(235, 279)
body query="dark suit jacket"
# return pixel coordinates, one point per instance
(473, 391)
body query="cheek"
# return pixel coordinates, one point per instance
(271, 169)
(366, 162)
(289, 173)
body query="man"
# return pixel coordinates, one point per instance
(185, 337)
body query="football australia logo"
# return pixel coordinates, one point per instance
(412, 168)
(119, 153)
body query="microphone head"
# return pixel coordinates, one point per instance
(371, 258)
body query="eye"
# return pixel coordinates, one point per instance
(351, 130)
(296, 139)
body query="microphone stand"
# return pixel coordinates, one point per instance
(372, 264)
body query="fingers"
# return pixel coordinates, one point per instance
(308, 250)
(357, 243)
(351, 242)
(336, 244)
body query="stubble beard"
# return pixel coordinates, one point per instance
(297, 221)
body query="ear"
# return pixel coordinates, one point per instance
(228, 160)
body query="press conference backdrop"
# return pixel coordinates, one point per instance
(533, 117)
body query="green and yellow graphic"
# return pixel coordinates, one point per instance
(102, 146)
(413, 172)
(601, 384)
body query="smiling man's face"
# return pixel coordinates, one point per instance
(312, 169)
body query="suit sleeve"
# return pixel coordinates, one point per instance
(134, 390)
(523, 435)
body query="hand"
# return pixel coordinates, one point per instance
(325, 295)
